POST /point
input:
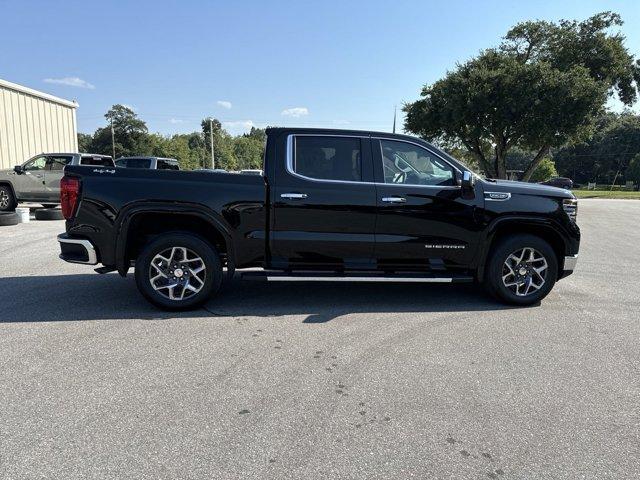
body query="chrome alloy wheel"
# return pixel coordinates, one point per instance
(4, 199)
(177, 273)
(524, 271)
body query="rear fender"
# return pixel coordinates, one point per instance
(128, 214)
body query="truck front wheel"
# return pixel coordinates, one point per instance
(7, 200)
(521, 270)
(178, 271)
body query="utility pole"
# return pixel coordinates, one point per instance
(113, 142)
(213, 157)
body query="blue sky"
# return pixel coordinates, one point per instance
(338, 64)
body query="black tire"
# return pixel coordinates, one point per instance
(211, 276)
(49, 205)
(496, 268)
(49, 214)
(9, 218)
(8, 201)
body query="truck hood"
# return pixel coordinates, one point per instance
(526, 188)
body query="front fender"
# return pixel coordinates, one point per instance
(568, 235)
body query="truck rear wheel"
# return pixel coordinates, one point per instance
(178, 271)
(522, 270)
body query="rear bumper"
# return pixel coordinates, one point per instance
(77, 250)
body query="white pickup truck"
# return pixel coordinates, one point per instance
(38, 179)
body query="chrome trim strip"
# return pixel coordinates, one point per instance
(290, 169)
(359, 279)
(570, 263)
(88, 246)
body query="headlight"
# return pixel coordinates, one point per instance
(570, 206)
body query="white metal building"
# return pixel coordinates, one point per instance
(33, 122)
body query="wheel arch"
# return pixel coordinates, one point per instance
(10, 185)
(142, 223)
(502, 228)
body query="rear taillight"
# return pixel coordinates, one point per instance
(69, 196)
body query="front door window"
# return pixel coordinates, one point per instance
(409, 164)
(36, 164)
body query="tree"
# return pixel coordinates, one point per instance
(633, 172)
(518, 159)
(222, 144)
(545, 170)
(608, 152)
(248, 151)
(543, 87)
(130, 134)
(85, 143)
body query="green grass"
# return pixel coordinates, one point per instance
(625, 194)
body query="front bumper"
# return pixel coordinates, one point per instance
(570, 262)
(77, 250)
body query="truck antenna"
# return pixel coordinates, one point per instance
(394, 119)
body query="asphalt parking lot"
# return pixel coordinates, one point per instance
(321, 381)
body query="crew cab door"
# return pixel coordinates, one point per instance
(324, 202)
(53, 174)
(424, 221)
(30, 184)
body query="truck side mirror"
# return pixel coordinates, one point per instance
(18, 169)
(468, 180)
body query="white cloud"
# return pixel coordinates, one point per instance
(175, 121)
(224, 104)
(70, 82)
(341, 122)
(238, 127)
(295, 112)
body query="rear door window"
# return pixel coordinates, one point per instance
(57, 163)
(134, 163)
(96, 161)
(328, 158)
(167, 165)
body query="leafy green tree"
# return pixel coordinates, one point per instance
(633, 172)
(545, 170)
(542, 87)
(130, 133)
(85, 143)
(248, 151)
(517, 160)
(615, 141)
(222, 144)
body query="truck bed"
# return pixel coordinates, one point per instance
(111, 198)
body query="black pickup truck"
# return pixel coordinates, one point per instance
(332, 205)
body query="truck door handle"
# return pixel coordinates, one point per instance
(293, 196)
(394, 199)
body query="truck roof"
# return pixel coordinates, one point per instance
(336, 131)
(72, 153)
(150, 158)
